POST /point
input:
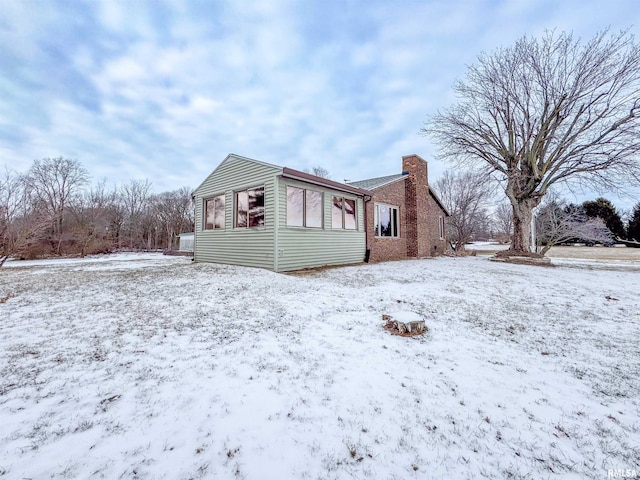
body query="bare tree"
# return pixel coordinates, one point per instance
(134, 196)
(466, 196)
(54, 181)
(92, 212)
(558, 223)
(174, 211)
(12, 202)
(22, 224)
(504, 218)
(544, 112)
(318, 171)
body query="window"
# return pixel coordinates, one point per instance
(214, 213)
(313, 209)
(295, 207)
(441, 225)
(336, 212)
(304, 208)
(343, 213)
(386, 221)
(250, 208)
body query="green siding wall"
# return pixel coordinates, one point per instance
(275, 246)
(300, 247)
(252, 247)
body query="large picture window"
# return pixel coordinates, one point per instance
(386, 221)
(250, 208)
(304, 208)
(343, 213)
(214, 213)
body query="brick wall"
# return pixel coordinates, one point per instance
(437, 245)
(419, 216)
(388, 248)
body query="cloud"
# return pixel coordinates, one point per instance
(164, 90)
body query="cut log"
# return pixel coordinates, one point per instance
(404, 323)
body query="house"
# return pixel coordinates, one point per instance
(261, 215)
(257, 214)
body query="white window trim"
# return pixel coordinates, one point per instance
(375, 219)
(441, 226)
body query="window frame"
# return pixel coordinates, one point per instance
(205, 210)
(441, 226)
(305, 191)
(343, 200)
(376, 217)
(236, 205)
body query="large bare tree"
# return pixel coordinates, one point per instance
(547, 111)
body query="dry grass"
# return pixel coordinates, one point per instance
(596, 253)
(584, 253)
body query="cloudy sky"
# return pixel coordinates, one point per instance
(165, 90)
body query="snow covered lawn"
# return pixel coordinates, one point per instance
(143, 366)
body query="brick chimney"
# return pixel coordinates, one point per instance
(416, 197)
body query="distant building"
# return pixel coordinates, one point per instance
(186, 242)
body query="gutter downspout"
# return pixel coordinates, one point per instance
(276, 221)
(367, 250)
(195, 226)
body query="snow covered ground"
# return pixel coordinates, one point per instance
(144, 366)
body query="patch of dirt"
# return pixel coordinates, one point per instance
(523, 260)
(511, 253)
(392, 327)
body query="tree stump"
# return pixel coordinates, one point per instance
(406, 324)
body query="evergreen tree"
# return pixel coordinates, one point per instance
(633, 230)
(605, 210)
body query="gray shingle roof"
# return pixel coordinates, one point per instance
(373, 183)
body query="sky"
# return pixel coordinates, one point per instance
(165, 90)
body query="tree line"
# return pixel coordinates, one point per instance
(51, 209)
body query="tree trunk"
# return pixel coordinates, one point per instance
(522, 215)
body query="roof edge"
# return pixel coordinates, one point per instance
(323, 182)
(439, 202)
(403, 177)
(229, 157)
